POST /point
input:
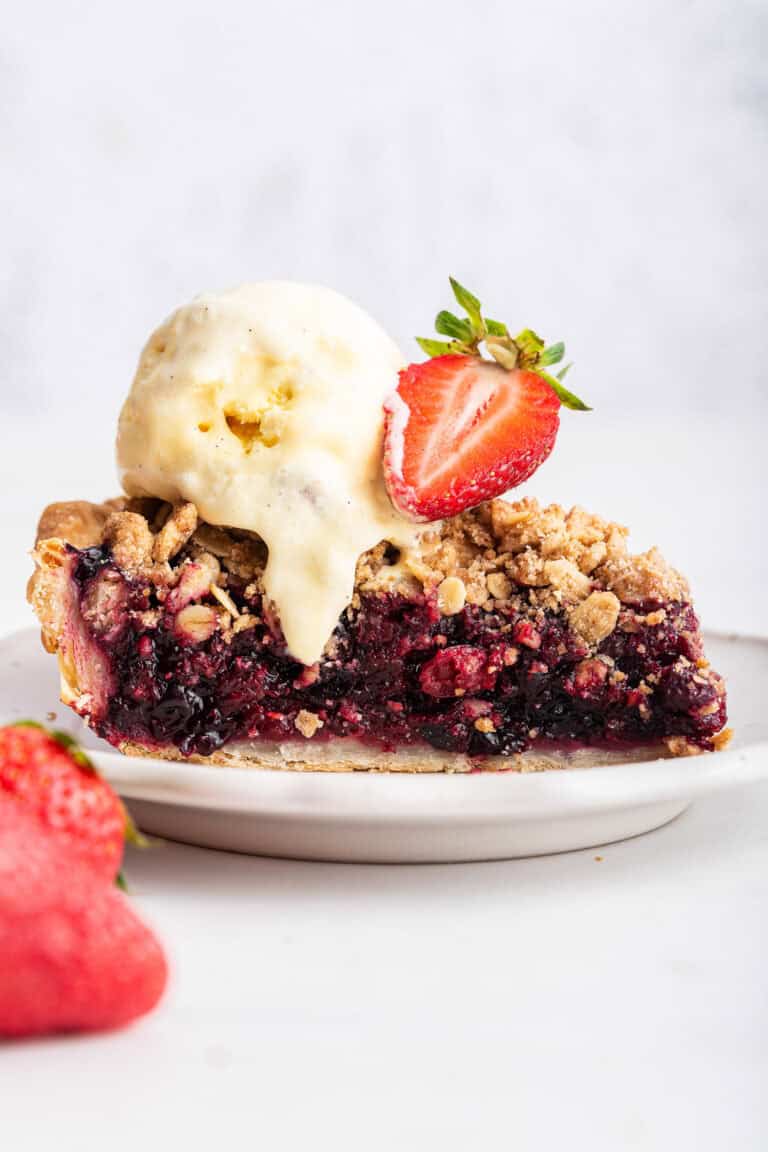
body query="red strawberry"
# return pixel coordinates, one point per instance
(461, 429)
(73, 954)
(57, 782)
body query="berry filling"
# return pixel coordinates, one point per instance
(396, 672)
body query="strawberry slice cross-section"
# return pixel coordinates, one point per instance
(461, 429)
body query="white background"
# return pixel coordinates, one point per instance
(594, 170)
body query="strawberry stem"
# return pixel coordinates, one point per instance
(526, 351)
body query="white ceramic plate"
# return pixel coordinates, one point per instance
(406, 818)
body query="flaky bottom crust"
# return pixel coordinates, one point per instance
(351, 756)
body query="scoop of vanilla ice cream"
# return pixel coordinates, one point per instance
(263, 406)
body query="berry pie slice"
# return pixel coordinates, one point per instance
(311, 567)
(514, 637)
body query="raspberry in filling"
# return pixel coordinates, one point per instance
(514, 627)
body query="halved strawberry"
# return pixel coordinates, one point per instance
(461, 429)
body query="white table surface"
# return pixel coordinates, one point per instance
(556, 1003)
(560, 1003)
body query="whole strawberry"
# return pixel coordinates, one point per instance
(461, 428)
(56, 781)
(73, 954)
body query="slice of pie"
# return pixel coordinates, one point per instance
(311, 569)
(514, 637)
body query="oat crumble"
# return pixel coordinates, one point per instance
(564, 561)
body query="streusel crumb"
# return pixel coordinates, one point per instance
(596, 617)
(307, 723)
(451, 595)
(130, 539)
(573, 561)
(175, 532)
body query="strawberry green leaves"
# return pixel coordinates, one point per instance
(449, 325)
(465, 335)
(567, 399)
(526, 351)
(435, 347)
(495, 328)
(469, 303)
(552, 355)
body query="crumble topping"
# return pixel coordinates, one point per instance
(451, 595)
(307, 723)
(596, 617)
(681, 746)
(130, 539)
(225, 600)
(572, 562)
(560, 558)
(175, 532)
(561, 555)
